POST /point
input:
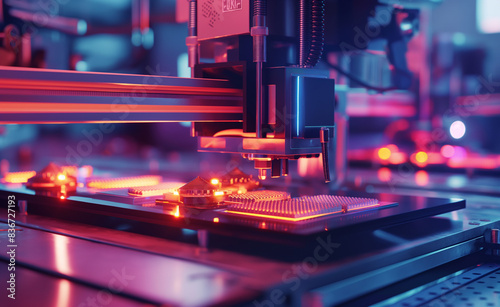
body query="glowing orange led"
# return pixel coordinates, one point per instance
(18, 177)
(421, 157)
(214, 181)
(216, 219)
(62, 197)
(384, 153)
(61, 177)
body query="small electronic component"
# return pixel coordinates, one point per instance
(302, 208)
(348, 203)
(264, 195)
(199, 192)
(237, 180)
(52, 181)
(296, 209)
(155, 190)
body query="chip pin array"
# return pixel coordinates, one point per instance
(296, 208)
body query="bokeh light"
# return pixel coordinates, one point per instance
(384, 153)
(421, 157)
(457, 129)
(447, 151)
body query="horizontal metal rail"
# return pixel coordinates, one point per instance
(52, 96)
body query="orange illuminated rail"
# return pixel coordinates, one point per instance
(56, 96)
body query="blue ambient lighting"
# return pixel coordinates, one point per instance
(81, 27)
(297, 102)
(81, 66)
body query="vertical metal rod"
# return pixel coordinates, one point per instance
(192, 39)
(284, 167)
(192, 45)
(203, 238)
(259, 102)
(495, 239)
(262, 173)
(259, 31)
(324, 139)
(23, 207)
(276, 168)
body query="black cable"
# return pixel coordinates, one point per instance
(311, 31)
(359, 81)
(317, 32)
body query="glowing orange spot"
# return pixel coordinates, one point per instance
(61, 177)
(397, 158)
(216, 219)
(62, 197)
(18, 177)
(176, 193)
(124, 182)
(384, 174)
(176, 212)
(71, 170)
(393, 148)
(384, 153)
(218, 193)
(422, 178)
(214, 181)
(447, 151)
(473, 162)
(302, 167)
(421, 157)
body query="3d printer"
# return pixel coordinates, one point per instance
(261, 87)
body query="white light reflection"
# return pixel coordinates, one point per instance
(61, 255)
